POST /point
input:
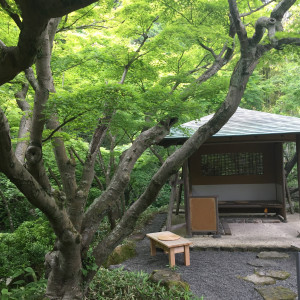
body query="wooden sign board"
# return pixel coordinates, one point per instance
(204, 214)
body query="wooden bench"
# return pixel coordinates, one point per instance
(180, 245)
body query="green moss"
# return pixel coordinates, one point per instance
(180, 285)
(121, 253)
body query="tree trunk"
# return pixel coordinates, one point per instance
(25, 124)
(65, 281)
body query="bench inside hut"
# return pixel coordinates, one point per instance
(246, 177)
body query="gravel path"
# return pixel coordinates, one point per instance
(212, 274)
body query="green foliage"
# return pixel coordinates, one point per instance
(119, 284)
(144, 170)
(25, 248)
(147, 216)
(34, 290)
(89, 263)
(274, 88)
(21, 210)
(255, 93)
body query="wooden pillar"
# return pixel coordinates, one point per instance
(173, 181)
(280, 176)
(186, 184)
(298, 162)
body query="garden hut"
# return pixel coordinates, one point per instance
(239, 169)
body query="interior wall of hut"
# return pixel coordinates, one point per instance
(238, 172)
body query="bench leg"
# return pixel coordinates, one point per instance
(172, 257)
(187, 255)
(152, 248)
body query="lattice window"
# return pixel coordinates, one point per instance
(226, 164)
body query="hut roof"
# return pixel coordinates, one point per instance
(244, 122)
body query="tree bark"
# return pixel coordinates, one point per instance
(25, 124)
(290, 165)
(44, 85)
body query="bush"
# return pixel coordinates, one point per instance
(33, 290)
(119, 284)
(25, 249)
(21, 210)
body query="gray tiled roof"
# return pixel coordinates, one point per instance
(245, 122)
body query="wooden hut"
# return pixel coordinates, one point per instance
(239, 169)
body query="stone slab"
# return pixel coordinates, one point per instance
(276, 293)
(276, 274)
(262, 263)
(260, 280)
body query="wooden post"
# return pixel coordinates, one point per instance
(179, 198)
(185, 171)
(172, 200)
(298, 163)
(288, 195)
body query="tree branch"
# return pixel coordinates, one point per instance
(35, 17)
(120, 179)
(239, 27)
(178, 12)
(76, 20)
(175, 161)
(158, 156)
(10, 12)
(255, 10)
(60, 126)
(54, 178)
(100, 185)
(281, 8)
(261, 25)
(136, 56)
(33, 155)
(25, 124)
(31, 189)
(208, 49)
(31, 78)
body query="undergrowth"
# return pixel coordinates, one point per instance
(122, 285)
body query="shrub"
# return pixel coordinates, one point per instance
(119, 284)
(25, 248)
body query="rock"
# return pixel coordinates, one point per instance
(121, 253)
(276, 293)
(272, 255)
(262, 263)
(260, 280)
(276, 274)
(168, 278)
(119, 266)
(138, 236)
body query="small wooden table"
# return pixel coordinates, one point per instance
(180, 245)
